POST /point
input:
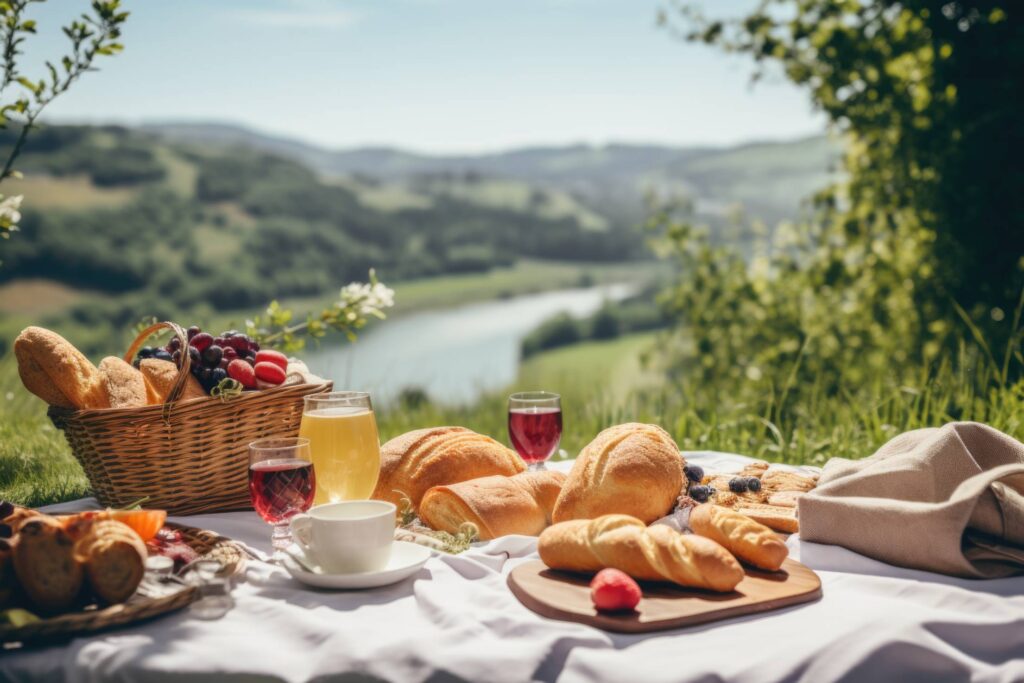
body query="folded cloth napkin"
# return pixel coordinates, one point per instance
(947, 500)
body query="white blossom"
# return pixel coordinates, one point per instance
(368, 298)
(9, 214)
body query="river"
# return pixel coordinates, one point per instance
(453, 354)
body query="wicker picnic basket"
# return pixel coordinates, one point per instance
(184, 456)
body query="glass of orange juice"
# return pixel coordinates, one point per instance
(345, 446)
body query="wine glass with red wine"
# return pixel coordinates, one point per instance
(282, 483)
(535, 425)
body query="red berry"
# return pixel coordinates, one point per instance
(202, 341)
(271, 356)
(613, 591)
(230, 354)
(269, 372)
(241, 371)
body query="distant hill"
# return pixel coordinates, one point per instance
(770, 179)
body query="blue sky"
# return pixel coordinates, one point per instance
(430, 75)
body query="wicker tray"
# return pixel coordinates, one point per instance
(139, 607)
(184, 456)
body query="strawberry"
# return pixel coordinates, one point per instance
(271, 356)
(271, 373)
(241, 371)
(614, 591)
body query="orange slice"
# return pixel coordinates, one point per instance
(146, 523)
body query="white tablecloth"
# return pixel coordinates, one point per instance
(456, 619)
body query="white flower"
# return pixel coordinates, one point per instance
(9, 214)
(367, 299)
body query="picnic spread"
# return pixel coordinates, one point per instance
(444, 554)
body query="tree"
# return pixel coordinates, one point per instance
(928, 93)
(91, 36)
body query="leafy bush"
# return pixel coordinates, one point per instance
(561, 330)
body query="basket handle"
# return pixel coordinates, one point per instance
(184, 368)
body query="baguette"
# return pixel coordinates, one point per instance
(124, 385)
(160, 376)
(632, 469)
(748, 540)
(496, 505)
(655, 553)
(415, 462)
(55, 371)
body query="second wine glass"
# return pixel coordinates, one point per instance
(535, 425)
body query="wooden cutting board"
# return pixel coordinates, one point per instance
(566, 596)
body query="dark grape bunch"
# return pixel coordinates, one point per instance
(211, 356)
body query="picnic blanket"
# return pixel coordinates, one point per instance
(457, 620)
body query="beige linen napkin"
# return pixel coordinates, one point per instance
(948, 500)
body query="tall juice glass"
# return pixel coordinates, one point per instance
(342, 433)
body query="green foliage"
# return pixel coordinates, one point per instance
(926, 92)
(91, 36)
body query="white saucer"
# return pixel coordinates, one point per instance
(406, 560)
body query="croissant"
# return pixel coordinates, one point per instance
(632, 469)
(750, 541)
(497, 505)
(655, 553)
(414, 462)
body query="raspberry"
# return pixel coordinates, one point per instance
(241, 371)
(271, 356)
(614, 591)
(271, 373)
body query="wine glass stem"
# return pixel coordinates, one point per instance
(282, 537)
(536, 466)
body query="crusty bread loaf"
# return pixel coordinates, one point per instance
(497, 505)
(55, 371)
(414, 462)
(124, 385)
(45, 564)
(655, 553)
(160, 376)
(114, 558)
(631, 469)
(748, 540)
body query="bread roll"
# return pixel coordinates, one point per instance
(497, 505)
(750, 541)
(114, 558)
(45, 565)
(124, 385)
(55, 371)
(655, 553)
(414, 462)
(632, 469)
(160, 376)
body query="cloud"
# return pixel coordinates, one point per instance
(324, 15)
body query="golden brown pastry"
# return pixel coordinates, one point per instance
(748, 540)
(782, 519)
(124, 385)
(160, 376)
(416, 461)
(45, 564)
(497, 505)
(785, 499)
(655, 553)
(632, 469)
(781, 480)
(55, 371)
(114, 558)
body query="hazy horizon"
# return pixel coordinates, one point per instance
(432, 76)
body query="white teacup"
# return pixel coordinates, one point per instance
(347, 537)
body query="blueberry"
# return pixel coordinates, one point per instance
(701, 494)
(694, 472)
(162, 354)
(146, 352)
(738, 484)
(193, 354)
(754, 484)
(217, 374)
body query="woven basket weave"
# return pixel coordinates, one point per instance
(184, 456)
